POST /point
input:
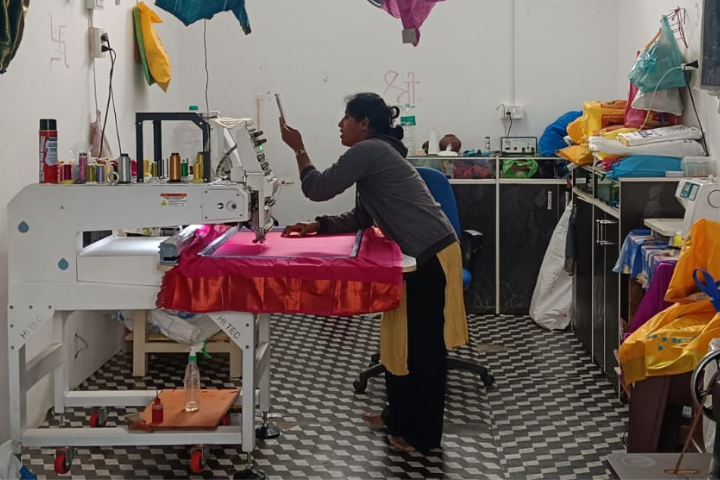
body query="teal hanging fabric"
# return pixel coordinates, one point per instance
(12, 24)
(190, 11)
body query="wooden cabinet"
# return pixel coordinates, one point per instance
(477, 206)
(517, 217)
(528, 216)
(605, 212)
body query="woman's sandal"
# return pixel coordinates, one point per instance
(373, 420)
(399, 444)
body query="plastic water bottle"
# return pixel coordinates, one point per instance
(192, 384)
(188, 139)
(408, 123)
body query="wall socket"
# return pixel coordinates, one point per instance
(516, 112)
(96, 42)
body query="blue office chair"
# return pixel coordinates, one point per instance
(471, 244)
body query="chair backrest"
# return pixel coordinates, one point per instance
(442, 192)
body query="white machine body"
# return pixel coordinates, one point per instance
(701, 199)
(53, 271)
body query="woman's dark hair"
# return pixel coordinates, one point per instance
(371, 106)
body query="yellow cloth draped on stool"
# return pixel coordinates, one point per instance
(393, 326)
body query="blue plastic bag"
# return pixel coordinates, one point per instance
(553, 138)
(644, 166)
(660, 65)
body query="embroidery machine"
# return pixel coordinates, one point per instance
(53, 272)
(701, 199)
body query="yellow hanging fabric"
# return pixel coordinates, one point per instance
(157, 58)
(393, 326)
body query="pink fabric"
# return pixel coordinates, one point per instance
(413, 13)
(277, 246)
(302, 280)
(653, 301)
(378, 259)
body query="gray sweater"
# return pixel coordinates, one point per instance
(390, 194)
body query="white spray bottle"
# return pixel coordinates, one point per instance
(193, 388)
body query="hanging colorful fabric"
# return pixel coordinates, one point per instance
(12, 24)
(190, 11)
(140, 46)
(413, 14)
(157, 58)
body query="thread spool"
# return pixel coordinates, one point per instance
(124, 170)
(198, 168)
(175, 168)
(90, 174)
(184, 169)
(100, 173)
(66, 176)
(82, 167)
(154, 170)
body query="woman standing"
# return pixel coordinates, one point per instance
(431, 317)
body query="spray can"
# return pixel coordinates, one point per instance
(48, 167)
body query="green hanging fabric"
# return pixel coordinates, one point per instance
(12, 23)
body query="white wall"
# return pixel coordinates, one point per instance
(473, 56)
(639, 21)
(36, 86)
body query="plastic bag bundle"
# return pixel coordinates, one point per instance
(552, 298)
(659, 66)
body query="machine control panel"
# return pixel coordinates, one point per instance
(688, 191)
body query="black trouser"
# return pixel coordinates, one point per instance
(416, 402)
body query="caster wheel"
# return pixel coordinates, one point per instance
(488, 380)
(249, 474)
(98, 418)
(198, 457)
(226, 420)
(267, 432)
(63, 460)
(360, 385)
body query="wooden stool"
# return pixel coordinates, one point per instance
(142, 344)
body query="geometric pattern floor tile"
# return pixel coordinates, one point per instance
(551, 413)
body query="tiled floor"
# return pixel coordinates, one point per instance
(551, 414)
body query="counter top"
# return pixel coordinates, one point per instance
(667, 227)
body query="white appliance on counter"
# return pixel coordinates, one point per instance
(701, 199)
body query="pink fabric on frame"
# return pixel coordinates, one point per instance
(370, 282)
(378, 260)
(413, 13)
(277, 246)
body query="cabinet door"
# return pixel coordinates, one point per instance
(598, 290)
(612, 306)
(583, 280)
(528, 216)
(476, 206)
(606, 292)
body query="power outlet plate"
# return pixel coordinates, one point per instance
(516, 112)
(94, 4)
(95, 42)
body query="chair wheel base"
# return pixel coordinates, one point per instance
(360, 385)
